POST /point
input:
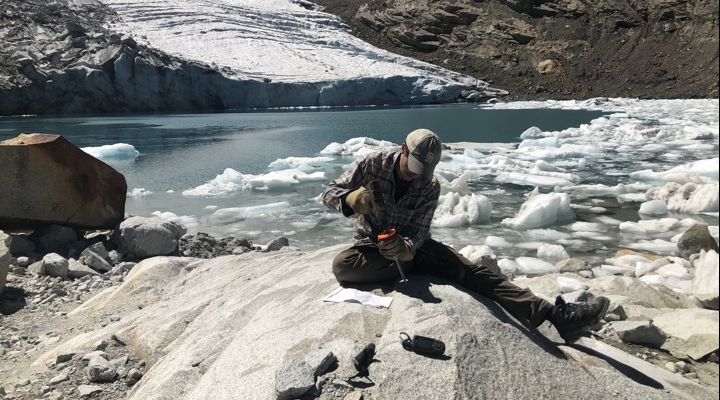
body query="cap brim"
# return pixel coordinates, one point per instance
(416, 167)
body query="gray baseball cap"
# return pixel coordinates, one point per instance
(425, 150)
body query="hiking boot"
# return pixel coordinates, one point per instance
(573, 320)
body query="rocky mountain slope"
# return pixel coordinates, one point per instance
(553, 49)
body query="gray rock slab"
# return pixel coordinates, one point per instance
(294, 379)
(320, 360)
(696, 347)
(639, 370)
(700, 345)
(55, 265)
(246, 320)
(78, 270)
(96, 261)
(100, 370)
(683, 323)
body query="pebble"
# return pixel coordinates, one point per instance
(670, 366)
(59, 378)
(88, 390)
(23, 383)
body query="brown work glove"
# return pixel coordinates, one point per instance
(394, 248)
(360, 200)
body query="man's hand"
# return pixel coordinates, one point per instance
(360, 200)
(394, 248)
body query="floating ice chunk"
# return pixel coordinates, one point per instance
(358, 147)
(475, 253)
(542, 142)
(581, 226)
(305, 164)
(609, 221)
(653, 207)
(565, 151)
(650, 226)
(454, 210)
(226, 215)
(507, 266)
(552, 253)
(541, 211)
(534, 266)
(653, 279)
(628, 260)
(604, 190)
(139, 192)
(632, 197)
(689, 197)
(542, 165)
(496, 241)
(531, 133)
(549, 235)
(599, 271)
(188, 221)
(569, 285)
(458, 185)
(703, 171)
(674, 276)
(715, 231)
(228, 182)
(117, 151)
(706, 273)
(616, 269)
(278, 180)
(529, 179)
(643, 267)
(675, 270)
(657, 246)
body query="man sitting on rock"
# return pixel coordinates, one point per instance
(403, 181)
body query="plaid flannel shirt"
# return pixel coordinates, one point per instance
(410, 216)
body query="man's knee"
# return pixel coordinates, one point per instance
(342, 267)
(442, 261)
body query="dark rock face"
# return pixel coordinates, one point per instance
(47, 179)
(553, 49)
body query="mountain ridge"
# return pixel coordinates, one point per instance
(612, 48)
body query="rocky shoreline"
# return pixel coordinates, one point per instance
(56, 269)
(53, 270)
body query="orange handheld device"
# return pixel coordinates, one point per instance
(384, 235)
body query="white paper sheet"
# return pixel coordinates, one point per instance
(342, 294)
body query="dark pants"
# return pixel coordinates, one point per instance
(364, 264)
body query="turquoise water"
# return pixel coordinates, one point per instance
(180, 151)
(183, 151)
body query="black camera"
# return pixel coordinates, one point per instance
(423, 345)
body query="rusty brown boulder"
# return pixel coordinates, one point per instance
(46, 179)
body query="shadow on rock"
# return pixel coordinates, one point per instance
(623, 368)
(12, 300)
